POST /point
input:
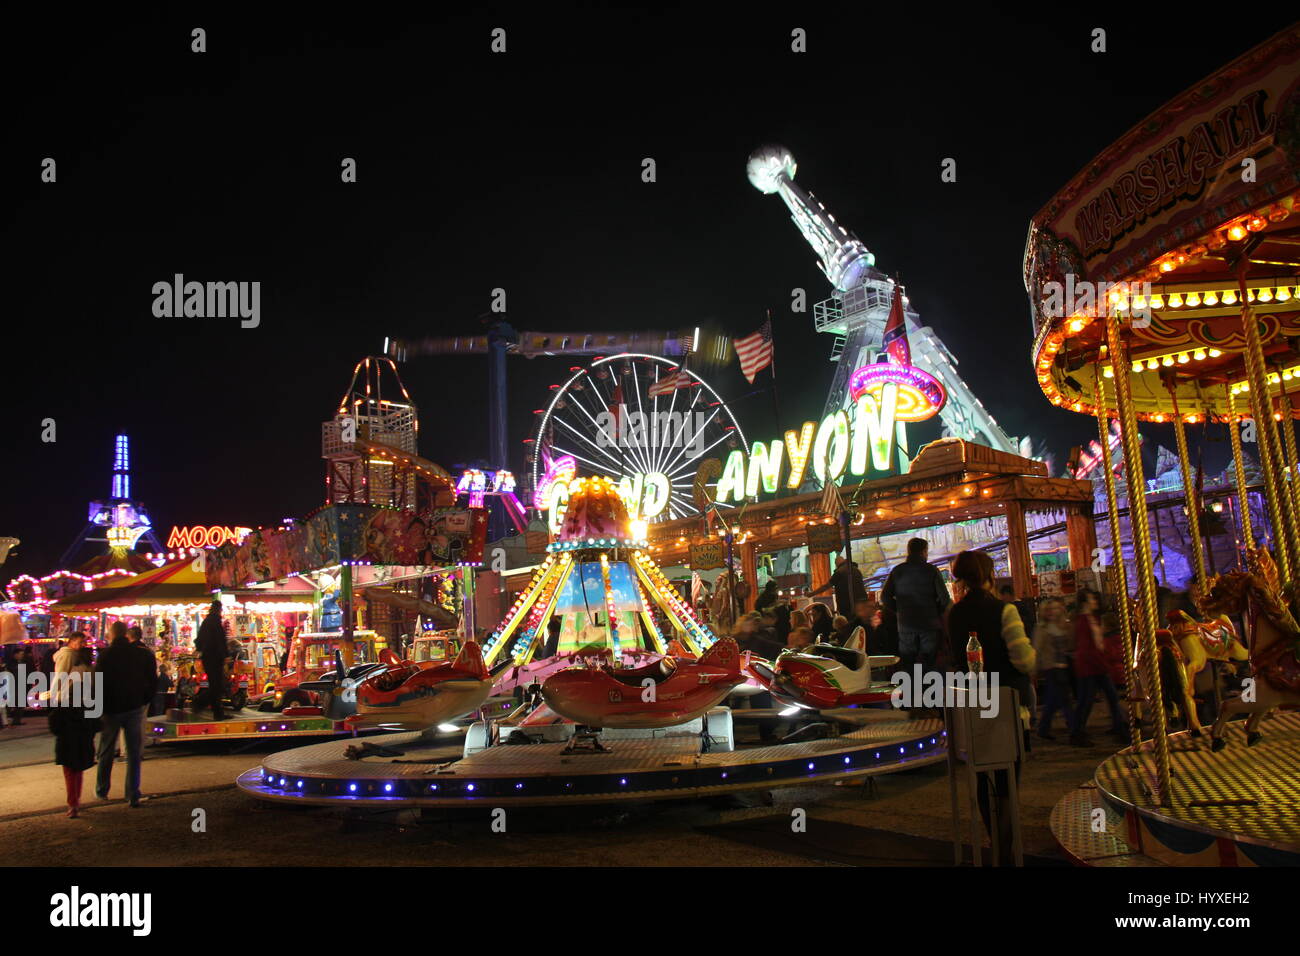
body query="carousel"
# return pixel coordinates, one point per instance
(1164, 281)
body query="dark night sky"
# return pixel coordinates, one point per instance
(520, 171)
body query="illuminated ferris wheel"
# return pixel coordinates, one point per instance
(645, 420)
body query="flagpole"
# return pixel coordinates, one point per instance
(776, 404)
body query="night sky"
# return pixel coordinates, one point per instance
(519, 171)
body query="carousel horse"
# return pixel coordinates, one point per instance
(1275, 654)
(1192, 644)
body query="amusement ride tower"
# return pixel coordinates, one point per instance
(118, 521)
(859, 307)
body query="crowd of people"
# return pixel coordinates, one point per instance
(1058, 660)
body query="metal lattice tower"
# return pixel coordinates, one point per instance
(375, 414)
(859, 306)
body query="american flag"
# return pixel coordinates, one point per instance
(667, 384)
(831, 504)
(755, 351)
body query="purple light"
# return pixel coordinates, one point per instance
(924, 397)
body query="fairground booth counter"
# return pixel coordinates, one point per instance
(1164, 280)
(388, 570)
(168, 604)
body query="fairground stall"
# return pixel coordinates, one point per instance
(1164, 281)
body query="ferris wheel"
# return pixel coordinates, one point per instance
(646, 420)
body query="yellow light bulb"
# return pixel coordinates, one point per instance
(1137, 366)
(1175, 301)
(1193, 299)
(1153, 364)
(1157, 302)
(1199, 355)
(1265, 295)
(1211, 298)
(1167, 361)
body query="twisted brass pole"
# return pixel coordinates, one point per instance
(1275, 496)
(1189, 493)
(1146, 579)
(1119, 579)
(1243, 493)
(1287, 427)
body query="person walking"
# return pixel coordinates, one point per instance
(1091, 668)
(129, 676)
(1008, 658)
(1053, 641)
(73, 729)
(915, 591)
(212, 647)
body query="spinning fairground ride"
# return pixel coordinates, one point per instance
(588, 728)
(1164, 281)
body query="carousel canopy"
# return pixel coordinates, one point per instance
(1183, 221)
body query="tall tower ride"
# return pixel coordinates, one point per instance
(859, 306)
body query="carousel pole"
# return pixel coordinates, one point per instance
(1243, 491)
(1189, 491)
(1119, 577)
(1287, 427)
(1146, 579)
(1278, 501)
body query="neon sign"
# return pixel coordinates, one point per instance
(853, 440)
(201, 536)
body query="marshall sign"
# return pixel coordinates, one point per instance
(1227, 147)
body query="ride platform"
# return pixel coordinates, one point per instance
(427, 774)
(1237, 807)
(240, 725)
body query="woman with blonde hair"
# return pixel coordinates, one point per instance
(74, 731)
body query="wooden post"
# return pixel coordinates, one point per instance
(1022, 564)
(1081, 534)
(819, 566)
(749, 568)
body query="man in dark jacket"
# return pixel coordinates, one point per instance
(848, 585)
(918, 596)
(212, 647)
(128, 674)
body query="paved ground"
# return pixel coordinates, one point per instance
(904, 820)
